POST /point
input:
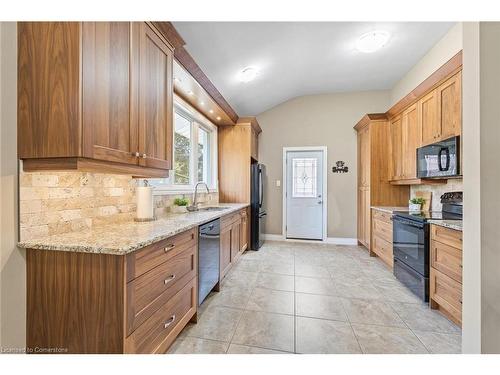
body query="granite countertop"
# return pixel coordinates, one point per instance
(389, 209)
(124, 238)
(452, 224)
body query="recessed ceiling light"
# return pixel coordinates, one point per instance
(248, 74)
(211, 111)
(218, 118)
(190, 92)
(372, 41)
(202, 103)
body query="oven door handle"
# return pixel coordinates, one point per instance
(408, 222)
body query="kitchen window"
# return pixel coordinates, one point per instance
(194, 154)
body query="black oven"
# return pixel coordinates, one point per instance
(411, 243)
(439, 159)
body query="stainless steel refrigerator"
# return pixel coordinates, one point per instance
(257, 213)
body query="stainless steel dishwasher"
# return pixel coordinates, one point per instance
(208, 258)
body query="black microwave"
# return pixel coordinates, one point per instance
(439, 159)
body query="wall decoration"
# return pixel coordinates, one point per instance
(340, 167)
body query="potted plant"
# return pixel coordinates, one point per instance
(416, 204)
(179, 206)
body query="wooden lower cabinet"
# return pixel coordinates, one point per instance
(381, 241)
(446, 272)
(233, 239)
(103, 303)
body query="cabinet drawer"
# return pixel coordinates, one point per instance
(383, 249)
(382, 229)
(447, 259)
(447, 293)
(158, 332)
(148, 292)
(383, 216)
(447, 236)
(143, 260)
(229, 219)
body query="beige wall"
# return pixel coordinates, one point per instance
(446, 48)
(490, 180)
(317, 120)
(471, 314)
(13, 287)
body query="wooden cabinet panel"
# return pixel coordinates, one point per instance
(446, 236)
(383, 249)
(108, 132)
(428, 107)
(157, 333)
(383, 229)
(254, 145)
(449, 97)
(49, 89)
(149, 292)
(143, 260)
(447, 259)
(364, 156)
(225, 251)
(396, 148)
(364, 216)
(447, 294)
(412, 139)
(235, 241)
(155, 98)
(244, 230)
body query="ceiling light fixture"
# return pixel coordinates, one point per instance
(202, 103)
(248, 74)
(218, 118)
(190, 92)
(372, 41)
(178, 80)
(211, 111)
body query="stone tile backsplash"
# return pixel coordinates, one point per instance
(60, 202)
(437, 191)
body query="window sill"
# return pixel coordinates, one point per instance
(179, 190)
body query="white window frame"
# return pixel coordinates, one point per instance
(197, 121)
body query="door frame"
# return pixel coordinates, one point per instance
(324, 149)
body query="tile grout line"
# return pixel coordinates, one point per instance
(350, 325)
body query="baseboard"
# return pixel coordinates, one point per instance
(329, 240)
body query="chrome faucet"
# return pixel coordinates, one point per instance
(194, 206)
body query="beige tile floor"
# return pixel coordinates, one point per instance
(312, 298)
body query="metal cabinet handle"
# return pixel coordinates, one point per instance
(169, 322)
(169, 279)
(136, 154)
(144, 156)
(169, 247)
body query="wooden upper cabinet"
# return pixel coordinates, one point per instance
(364, 156)
(428, 107)
(396, 160)
(95, 96)
(412, 139)
(109, 134)
(155, 97)
(449, 103)
(48, 101)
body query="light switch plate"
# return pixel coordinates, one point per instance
(278, 183)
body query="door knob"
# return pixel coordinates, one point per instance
(319, 202)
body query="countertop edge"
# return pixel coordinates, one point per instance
(389, 209)
(38, 244)
(450, 224)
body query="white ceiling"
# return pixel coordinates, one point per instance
(302, 58)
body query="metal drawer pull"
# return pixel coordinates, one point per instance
(169, 322)
(169, 247)
(169, 279)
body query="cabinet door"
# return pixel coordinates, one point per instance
(366, 217)
(235, 241)
(244, 230)
(412, 139)
(155, 98)
(225, 251)
(108, 133)
(397, 148)
(428, 108)
(254, 145)
(364, 156)
(449, 96)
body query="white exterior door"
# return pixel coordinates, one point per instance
(304, 195)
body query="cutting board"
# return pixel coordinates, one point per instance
(427, 195)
